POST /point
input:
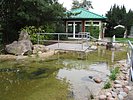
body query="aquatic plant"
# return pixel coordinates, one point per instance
(107, 85)
(114, 73)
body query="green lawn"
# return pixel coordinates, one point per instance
(124, 39)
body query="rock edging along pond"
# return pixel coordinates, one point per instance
(119, 86)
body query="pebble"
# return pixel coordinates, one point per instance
(97, 80)
(120, 87)
(124, 94)
(126, 83)
(117, 85)
(102, 97)
(114, 94)
(108, 98)
(124, 72)
(117, 82)
(128, 87)
(120, 97)
(108, 94)
(126, 90)
(90, 77)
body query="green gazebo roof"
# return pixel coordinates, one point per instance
(81, 13)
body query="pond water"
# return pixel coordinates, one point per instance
(65, 76)
(82, 86)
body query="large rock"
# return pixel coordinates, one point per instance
(21, 47)
(23, 36)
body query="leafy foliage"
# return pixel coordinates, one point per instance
(32, 31)
(16, 14)
(84, 4)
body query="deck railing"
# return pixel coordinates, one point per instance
(130, 59)
(83, 36)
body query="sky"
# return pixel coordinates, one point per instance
(101, 6)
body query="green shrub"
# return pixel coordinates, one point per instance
(32, 31)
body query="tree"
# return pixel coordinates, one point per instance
(117, 16)
(129, 23)
(83, 4)
(75, 4)
(86, 4)
(16, 14)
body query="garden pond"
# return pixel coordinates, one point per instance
(64, 76)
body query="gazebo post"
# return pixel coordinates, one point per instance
(73, 29)
(83, 26)
(66, 26)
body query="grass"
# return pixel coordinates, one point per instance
(114, 73)
(112, 77)
(124, 39)
(107, 85)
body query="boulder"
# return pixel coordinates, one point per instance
(20, 47)
(23, 36)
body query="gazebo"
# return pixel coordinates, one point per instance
(80, 20)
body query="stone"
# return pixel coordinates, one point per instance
(116, 90)
(114, 94)
(37, 48)
(120, 97)
(124, 72)
(109, 46)
(90, 77)
(126, 90)
(94, 47)
(117, 85)
(20, 47)
(126, 83)
(128, 87)
(108, 94)
(102, 97)
(97, 80)
(119, 89)
(110, 98)
(117, 82)
(124, 94)
(23, 36)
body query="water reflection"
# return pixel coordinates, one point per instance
(113, 56)
(81, 85)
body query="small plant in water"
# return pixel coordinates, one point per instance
(107, 85)
(114, 73)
